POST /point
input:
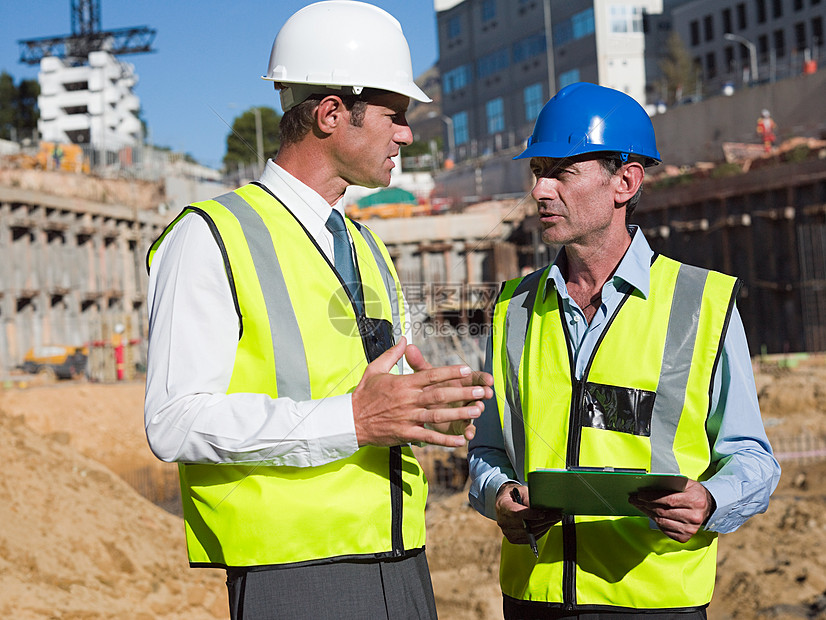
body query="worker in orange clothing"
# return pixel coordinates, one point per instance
(766, 129)
(117, 343)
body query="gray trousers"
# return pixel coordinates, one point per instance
(382, 590)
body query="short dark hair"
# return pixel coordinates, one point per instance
(298, 121)
(611, 164)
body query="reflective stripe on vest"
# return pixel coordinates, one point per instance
(664, 347)
(291, 376)
(298, 340)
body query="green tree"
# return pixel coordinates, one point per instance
(242, 141)
(18, 107)
(680, 73)
(416, 148)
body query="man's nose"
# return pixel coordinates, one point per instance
(404, 135)
(544, 187)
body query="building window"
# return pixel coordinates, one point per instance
(533, 101)
(568, 77)
(741, 16)
(728, 54)
(460, 128)
(488, 10)
(814, 2)
(727, 20)
(528, 48)
(490, 64)
(580, 25)
(800, 36)
(711, 65)
(695, 32)
(583, 23)
(456, 79)
(624, 18)
(454, 27)
(72, 86)
(761, 11)
(495, 112)
(798, 5)
(763, 45)
(817, 31)
(708, 27)
(563, 32)
(777, 9)
(779, 43)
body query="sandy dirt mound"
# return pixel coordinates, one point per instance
(463, 555)
(79, 543)
(102, 421)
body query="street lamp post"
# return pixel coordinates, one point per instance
(450, 138)
(752, 53)
(259, 138)
(449, 124)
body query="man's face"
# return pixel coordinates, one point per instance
(364, 152)
(575, 200)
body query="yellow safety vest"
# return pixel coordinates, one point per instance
(299, 338)
(642, 403)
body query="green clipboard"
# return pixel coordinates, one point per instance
(595, 492)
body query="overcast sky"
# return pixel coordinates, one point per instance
(209, 57)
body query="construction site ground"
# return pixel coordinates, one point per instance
(80, 543)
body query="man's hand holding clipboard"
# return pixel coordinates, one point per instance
(520, 523)
(679, 515)
(678, 505)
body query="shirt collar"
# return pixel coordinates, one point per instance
(634, 268)
(307, 204)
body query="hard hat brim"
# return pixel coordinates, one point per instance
(408, 90)
(543, 149)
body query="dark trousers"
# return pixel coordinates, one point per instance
(536, 611)
(385, 590)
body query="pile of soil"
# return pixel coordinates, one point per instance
(80, 543)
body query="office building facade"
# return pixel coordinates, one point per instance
(501, 60)
(738, 42)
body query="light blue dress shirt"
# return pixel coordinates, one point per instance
(747, 472)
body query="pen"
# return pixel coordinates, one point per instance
(515, 496)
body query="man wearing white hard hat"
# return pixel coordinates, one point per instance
(276, 368)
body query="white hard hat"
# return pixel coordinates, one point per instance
(341, 43)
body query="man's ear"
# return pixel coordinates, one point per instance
(330, 113)
(630, 178)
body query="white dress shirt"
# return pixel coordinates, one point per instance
(193, 337)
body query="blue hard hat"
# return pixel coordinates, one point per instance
(587, 118)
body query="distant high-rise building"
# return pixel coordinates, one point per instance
(85, 91)
(501, 60)
(90, 103)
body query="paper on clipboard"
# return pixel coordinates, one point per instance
(589, 492)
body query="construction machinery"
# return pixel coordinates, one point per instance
(56, 361)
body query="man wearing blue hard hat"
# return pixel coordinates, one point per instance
(620, 361)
